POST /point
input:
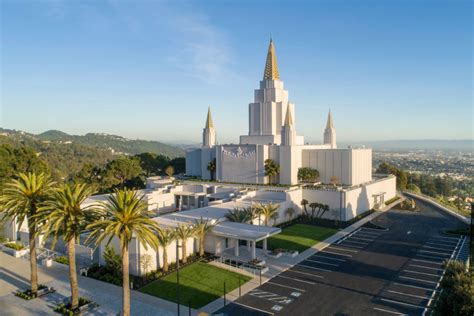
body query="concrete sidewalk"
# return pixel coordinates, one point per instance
(15, 274)
(282, 264)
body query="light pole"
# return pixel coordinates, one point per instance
(177, 273)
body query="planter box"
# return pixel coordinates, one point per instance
(278, 255)
(47, 262)
(58, 265)
(15, 253)
(292, 254)
(46, 291)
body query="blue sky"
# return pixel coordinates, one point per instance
(149, 69)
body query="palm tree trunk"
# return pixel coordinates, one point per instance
(183, 247)
(201, 246)
(33, 267)
(71, 252)
(165, 260)
(125, 283)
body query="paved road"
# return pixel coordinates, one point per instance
(371, 272)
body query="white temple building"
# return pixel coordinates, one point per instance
(272, 135)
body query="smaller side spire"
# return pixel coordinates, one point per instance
(288, 117)
(329, 123)
(209, 122)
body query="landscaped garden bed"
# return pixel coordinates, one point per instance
(84, 305)
(42, 291)
(200, 284)
(15, 249)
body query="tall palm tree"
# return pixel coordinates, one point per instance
(183, 232)
(165, 237)
(124, 215)
(64, 216)
(269, 211)
(20, 201)
(211, 166)
(201, 228)
(272, 169)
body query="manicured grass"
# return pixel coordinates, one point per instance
(199, 284)
(299, 237)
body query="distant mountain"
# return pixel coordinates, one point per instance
(115, 144)
(417, 144)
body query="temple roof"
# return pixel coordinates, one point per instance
(329, 123)
(209, 122)
(271, 67)
(288, 117)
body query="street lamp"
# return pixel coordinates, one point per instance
(177, 272)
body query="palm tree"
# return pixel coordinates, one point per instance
(272, 169)
(240, 215)
(269, 211)
(125, 215)
(290, 212)
(313, 207)
(183, 232)
(63, 215)
(165, 237)
(211, 166)
(201, 228)
(20, 201)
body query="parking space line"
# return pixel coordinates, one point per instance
(352, 246)
(329, 258)
(426, 261)
(431, 247)
(321, 262)
(446, 242)
(359, 238)
(419, 280)
(285, 286)
(422, 273)
(440, 252)
(298, 280)
(412, 295)
(313, 268)
(425, 267)
(438, 244)
(353, 241)
(446, 237)
(343, 249)
(306, 273)
(431, 257)
(390, 312)
(335, 253)
(254, 308)
(402, 303)
(416, 287)
(373, 229)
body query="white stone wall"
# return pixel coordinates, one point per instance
(238, 163)
(193, 162)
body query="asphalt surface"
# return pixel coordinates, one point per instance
(371, 272)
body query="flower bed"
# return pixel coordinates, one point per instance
(42, 290)
(15, 249)
(84, 305)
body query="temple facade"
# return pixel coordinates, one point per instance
(272, 135)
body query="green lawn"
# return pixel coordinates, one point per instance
(199, 284)
(299, 237)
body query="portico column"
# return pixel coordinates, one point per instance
(236, 248)
(265, 244)
(248, 245)
(253, 256)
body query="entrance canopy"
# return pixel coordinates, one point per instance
(244, 231)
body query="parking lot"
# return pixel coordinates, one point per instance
(393, 271)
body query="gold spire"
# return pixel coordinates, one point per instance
(288, 117)
(329, 123)
(209, 122)
(271, 67)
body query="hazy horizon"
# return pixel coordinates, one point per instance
(149, 70)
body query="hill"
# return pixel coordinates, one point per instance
(113, 143)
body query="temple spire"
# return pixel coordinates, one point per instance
(271, 67)
(209, 122)
(329, 123)
(288, 117)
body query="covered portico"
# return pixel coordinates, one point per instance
(236, 232)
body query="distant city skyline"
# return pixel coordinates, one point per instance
(149, 69)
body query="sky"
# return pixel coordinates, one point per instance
(398, 69)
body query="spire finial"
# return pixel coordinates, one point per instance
(271, 67)
(329, 123)
(288, 117)
(209, 122)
